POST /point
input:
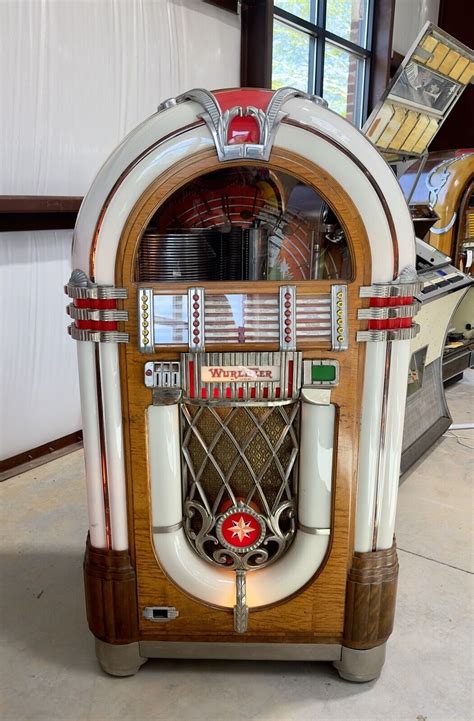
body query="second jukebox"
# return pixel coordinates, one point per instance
(242, 302)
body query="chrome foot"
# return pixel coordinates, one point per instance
(361, 666)
(119, 660)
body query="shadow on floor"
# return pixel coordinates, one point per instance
(42, 606)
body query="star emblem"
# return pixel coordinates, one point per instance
(241, 529)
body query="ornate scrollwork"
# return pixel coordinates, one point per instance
(201, 529)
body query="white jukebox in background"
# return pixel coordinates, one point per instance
(242, 302)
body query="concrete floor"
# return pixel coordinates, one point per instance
(48, 663)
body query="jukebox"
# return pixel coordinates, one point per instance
(243, 303)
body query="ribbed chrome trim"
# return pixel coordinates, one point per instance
(391, 335)
(389, 290)
(402, 311)
(97, 292)
(167, 529)
(97, 315)
(97, 336)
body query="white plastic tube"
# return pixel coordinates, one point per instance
(112, 415)
(369, 445)
(91, 436)
(164, 458)
(217, 586)
(392, 445)
(267, 585)
(316, 461)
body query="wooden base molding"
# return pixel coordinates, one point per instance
(111, 595)
(370, 598)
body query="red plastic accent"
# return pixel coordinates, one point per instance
(192, 389)
(265, 392)
(252, 393)
(241, 529)
(243, 129)
(203, 393)
(405, 322)
(95, 303)
(241, 393)
(290, 378)
(228, 393)
(97, 324)
(277, 392)
(391, 301)
(215, 392)
(243, 96)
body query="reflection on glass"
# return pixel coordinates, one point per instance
(343, 82)
(305, 9)
(170, 314)
(348, 19)
(243, 224)
(291, 57)
(241, 318)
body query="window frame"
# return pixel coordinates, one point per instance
(257, 41)
(320, 35)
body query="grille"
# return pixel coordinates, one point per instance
(235, 454)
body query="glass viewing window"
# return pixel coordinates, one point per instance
(244, 224)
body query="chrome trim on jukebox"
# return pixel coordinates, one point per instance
(146, 328)
(391, 335)
(339, 325)
(196, 329)
(263, 377)
(287, 305)
(218, 122)
(162, 374)
(97, 336)
(160, 614)
(390, 290)
(314, 531)
(97, 315)
(308, 365)
(80, 287)
(167, 529)
(241, 610)
(384, 313)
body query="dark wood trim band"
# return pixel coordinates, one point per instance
(111, 595)
(27, 460)
(370, 598)
(38, 212)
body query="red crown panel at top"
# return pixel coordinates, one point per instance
(243, 129)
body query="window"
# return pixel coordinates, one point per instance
(324, 47)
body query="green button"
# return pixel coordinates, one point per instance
(323, 373)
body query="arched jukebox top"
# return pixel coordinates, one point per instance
(253, 256)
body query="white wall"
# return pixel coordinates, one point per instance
(410, 16)
(76, 76)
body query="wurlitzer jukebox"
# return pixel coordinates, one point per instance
(243, 304)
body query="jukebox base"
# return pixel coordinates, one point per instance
(356, 665)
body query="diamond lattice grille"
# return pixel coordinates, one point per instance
(239, 453)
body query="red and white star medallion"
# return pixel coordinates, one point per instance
(240, 529)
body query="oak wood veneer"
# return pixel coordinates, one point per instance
(315, 614)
